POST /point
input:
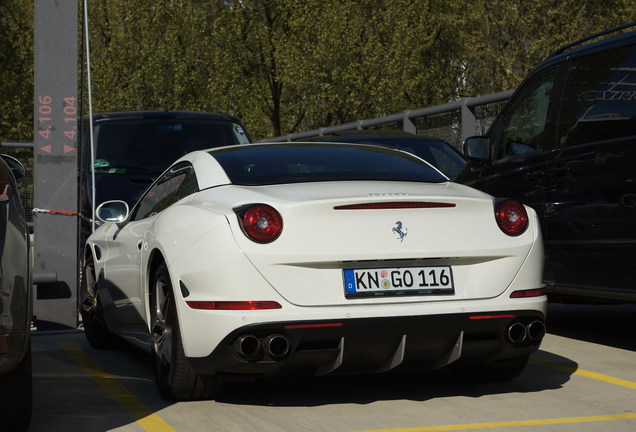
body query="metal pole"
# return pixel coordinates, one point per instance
(90, 111)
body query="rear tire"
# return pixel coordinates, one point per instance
(95, 327)
(498, 371)
(174, 377)
(16, 396)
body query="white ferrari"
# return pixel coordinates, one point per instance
(270, 260)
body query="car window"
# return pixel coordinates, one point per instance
(526, 121)
(448, 162)
(175, 184)
(600, 98)
(149, 145)
(295, 163)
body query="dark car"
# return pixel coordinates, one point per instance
(16, 308)
(565, 144)
(435, 151)
(131, 149)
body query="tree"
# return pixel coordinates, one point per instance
(16, 70)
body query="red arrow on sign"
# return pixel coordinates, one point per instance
(68, 148)
(46, 148)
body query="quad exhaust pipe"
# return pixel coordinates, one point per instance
(249, 346)
(536, 330)
(276, 346)
(518, 333)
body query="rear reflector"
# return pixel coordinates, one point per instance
(393, 205)
(494, 316)
(234, 305)
(537, 292)
(315, 325)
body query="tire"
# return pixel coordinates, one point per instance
(95, 327)
(16, 396)
(498, 371)
(175, 378)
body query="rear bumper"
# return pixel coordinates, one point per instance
(372, 345)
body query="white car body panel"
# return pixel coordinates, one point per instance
(206, 251)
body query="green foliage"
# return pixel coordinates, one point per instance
(285, 66)
(16, 70)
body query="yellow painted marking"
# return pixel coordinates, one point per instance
(587, 374)
(514, 423)
(541, 422)
(143, 415)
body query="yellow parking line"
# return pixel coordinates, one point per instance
(503, 424)
(541, 422)
(143, 415)
(592, 375)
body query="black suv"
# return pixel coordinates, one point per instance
(565, 144)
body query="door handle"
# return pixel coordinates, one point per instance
(558, 171)
(534, 177)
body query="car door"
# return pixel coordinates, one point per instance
(123, 269)
(592, 202)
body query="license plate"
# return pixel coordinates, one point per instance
(398, 281)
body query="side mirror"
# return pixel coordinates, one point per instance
(112, 211)
(477, 148)
(17, 169)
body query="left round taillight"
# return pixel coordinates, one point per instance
(261, 223)
(511, 217)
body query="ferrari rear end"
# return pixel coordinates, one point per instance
(334, 277)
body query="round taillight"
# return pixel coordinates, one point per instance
(511, 217)
(262, 223)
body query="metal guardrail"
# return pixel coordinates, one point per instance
(465, 106)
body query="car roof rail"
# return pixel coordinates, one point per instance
(590, 37)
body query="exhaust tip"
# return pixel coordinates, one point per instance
(536, 330)
(516, 333)
(276, 346)
(247, 345)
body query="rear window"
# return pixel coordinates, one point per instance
(294, 163)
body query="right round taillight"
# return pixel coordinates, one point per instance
(511, 217)
(262, 223)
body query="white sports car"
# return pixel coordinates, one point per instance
(314, 258)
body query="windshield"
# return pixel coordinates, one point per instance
(149, 146)
(294, 163)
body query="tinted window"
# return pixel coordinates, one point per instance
(600, 98)
(438, 153)
(292, 163)
(151, 145)
(526, 121)
(175, 184)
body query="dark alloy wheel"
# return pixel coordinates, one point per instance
(173, 374)
(95, 327)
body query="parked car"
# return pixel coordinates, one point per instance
(565, 145)
(436, 151)
(313, 259)
(132, 148)
(16, 308)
